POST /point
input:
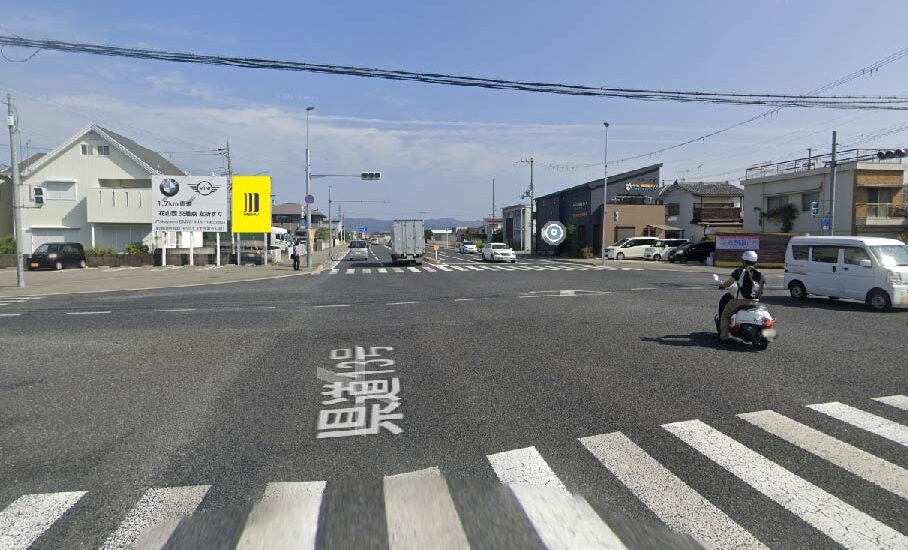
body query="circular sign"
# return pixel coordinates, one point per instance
(169, 187)
(553, 233)
(310, 199)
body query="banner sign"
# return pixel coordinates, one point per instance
(189, 203)
(641, 186)
(737, 242)
(251, 208)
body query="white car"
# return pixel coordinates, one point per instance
(631, 248)
(468, 247)
(498, 252)
(358, 250)
(660, 249)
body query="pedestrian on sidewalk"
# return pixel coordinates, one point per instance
(295, 255)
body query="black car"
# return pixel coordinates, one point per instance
(696, 252)
(57, 256)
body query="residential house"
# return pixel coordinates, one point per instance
(871, 195)
(517, 229)
(97, 191)
(289, 215)
(700, 208)
(490, 226)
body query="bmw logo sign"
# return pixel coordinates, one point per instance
(170, 187)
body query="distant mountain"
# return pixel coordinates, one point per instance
(384, 226)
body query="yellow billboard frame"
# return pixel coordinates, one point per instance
(250, 204)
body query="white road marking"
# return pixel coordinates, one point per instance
(463, 299)
(420, 512)
(429, 269)
(839, 521)
(166, 506)
(400, 303)
(382, 270)
(334, 305)
(458, 268)
(443, 267)
(524, 466)
(286, 517)
(413, 269)
(177, 310)
(473, 267)
(333, 272)
(865, 421)
(397, 270)
(694, 288)
(350, 271)
(367, 270)
(672, 500)
(10, 314)
(860, 463)
(87, 312)
(23, 521)
(898, 401)
(645, 288)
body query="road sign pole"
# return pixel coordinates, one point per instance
(217, 251)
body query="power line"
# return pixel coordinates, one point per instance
(733, 98)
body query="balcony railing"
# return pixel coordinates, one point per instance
(716, 214)
(119, 205)
(875, 212)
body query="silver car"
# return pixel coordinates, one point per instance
(358, 250)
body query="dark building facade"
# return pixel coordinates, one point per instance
(581, 205)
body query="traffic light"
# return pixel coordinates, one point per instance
(371, 175)
(814, 209)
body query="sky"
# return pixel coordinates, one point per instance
(439, 148)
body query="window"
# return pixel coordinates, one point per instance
(59, 190)
(854, 255)
(826, 254)
(800, 252)
(774, 202)
(807, 198)
(672, 209)
(104, 150)
(86, 149)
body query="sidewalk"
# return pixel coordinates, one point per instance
(103, 279)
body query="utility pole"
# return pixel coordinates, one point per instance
(492, 225)
(330, 229)
(832, 187)
(531, 194)
(12, 122)
(604, 192)
(308, 192)
(234, 240)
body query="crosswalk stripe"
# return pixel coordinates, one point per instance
(860, 463)
(429, 269)
(382, 270)
(839, 521)
(157, 506)
(420, 512)
(286, 518)
(458, 268)
(474, 267)
(673, 501)
(366, 270)
(397, 270)
(333, 272)
(23, 521)
(443, 267)
(865, 421)
(413, 269)
(524, 466)
(350, 271)
(898, 401)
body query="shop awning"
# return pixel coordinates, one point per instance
(666, 227)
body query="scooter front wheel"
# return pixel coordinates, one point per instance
(760, 343)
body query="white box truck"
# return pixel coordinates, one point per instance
(408, 242)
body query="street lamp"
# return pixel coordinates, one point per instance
(308, 192)
(604, 192)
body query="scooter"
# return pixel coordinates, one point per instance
(753, 324)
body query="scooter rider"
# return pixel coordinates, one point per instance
(750, 288)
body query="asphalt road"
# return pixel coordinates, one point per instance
(502, 373)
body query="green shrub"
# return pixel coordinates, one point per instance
(586, 252)
(101, 251)
(137, 248)
(7, 245)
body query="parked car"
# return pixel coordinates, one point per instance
(696, 252)
(660, 249)
(871, 269)
(358, 250)
(57, 256)
(494, 252)
(631, 248)
(468, 247)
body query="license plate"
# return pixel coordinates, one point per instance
(34, 265)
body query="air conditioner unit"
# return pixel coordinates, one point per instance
(38, 195)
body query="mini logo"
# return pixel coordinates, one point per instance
(170, 187)
(251, 204)
(204, 188)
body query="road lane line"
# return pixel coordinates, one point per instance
(157, 506)
(645, 288)
(848, 457)
(420, 512)
(87, 312)
(458, 300)
(27, 517)
(286, 517)
(382, 270)
(673, 501)
(334, 305)
(865, 421)
(898, 401)
(177, 310)
(524, 466)
(400, 303)
(10, 314)
(412, 269)
(839, 521)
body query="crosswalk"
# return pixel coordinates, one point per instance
(455, 268)
(420, 507)
(9, 300)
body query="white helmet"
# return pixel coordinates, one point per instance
(749, 256)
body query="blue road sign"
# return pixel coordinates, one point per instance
(363, 229)
(303, 223)
(310, 199)
(825, 223)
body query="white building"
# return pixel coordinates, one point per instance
(517, 227)
(97, 191)
(699, 208)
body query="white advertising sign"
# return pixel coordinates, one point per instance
(737, 242)
(189, 203)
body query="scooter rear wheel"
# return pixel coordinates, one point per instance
(760, 343)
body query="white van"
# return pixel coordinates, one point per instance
(631, 248)
(871, 269)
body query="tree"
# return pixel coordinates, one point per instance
(427, 234)
(322, 234)
(497, 236)
(784, 215)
